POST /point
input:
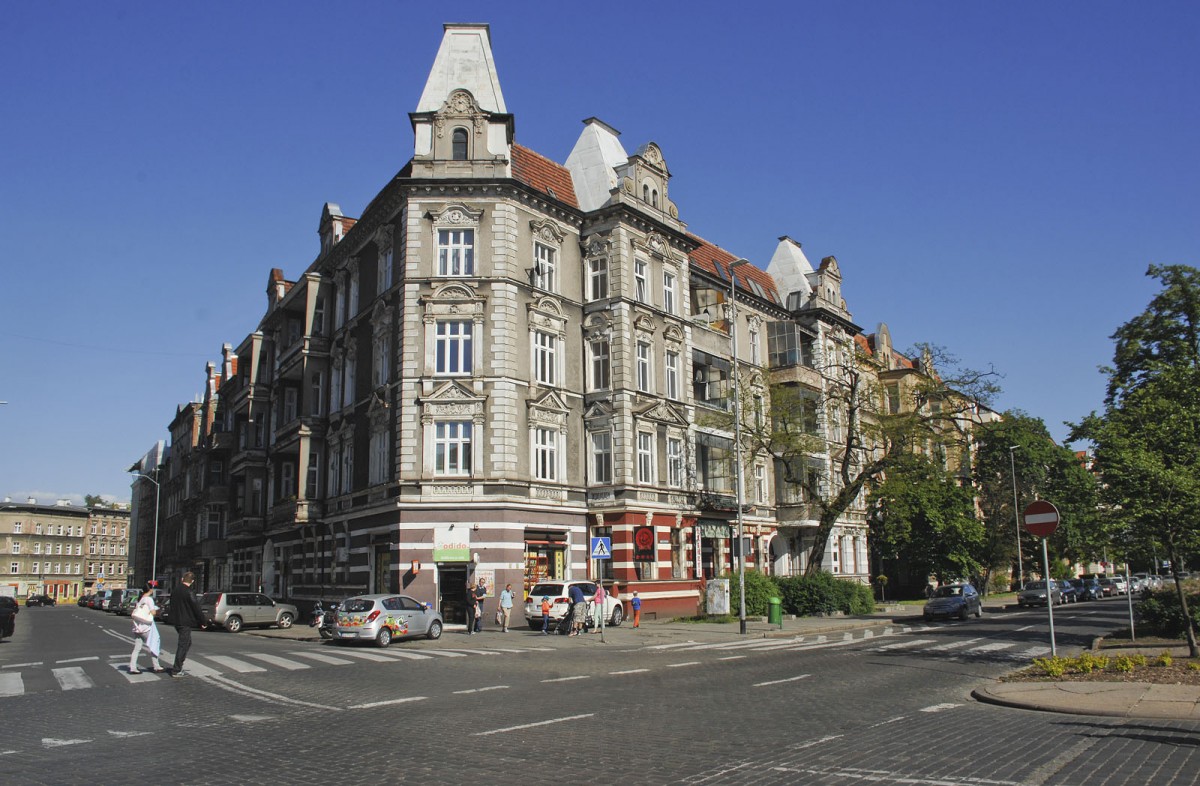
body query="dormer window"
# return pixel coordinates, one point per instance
(458, 150)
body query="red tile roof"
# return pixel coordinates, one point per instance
(715, 260)
(542, 174)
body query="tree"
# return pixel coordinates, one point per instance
(1020, 446)
(921, 516)
(879, 416)
(1147, 440)
(93, 500)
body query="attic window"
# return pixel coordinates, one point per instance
(757, 289)
(459, 148)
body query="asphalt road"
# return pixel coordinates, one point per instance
(853, 708)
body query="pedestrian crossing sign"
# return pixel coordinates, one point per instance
(601, 548)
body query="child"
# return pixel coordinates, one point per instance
(636, 604)
(545, 615)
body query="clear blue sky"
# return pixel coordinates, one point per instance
(992, 177)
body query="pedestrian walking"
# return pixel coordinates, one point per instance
(578, 609)
(186, 615)
(480, 595)
(635, 603)
(472, 608)
(506, 606)
(598, 600)
(545, 615)
(145, 631)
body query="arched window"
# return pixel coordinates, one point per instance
(654, 198)
(459, 149)
(645, 192)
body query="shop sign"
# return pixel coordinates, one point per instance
(643, 543)
(713, 530)
(452, 544)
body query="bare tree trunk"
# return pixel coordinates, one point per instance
(1188, 628)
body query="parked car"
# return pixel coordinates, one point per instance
(1106, 585)
(99, 599)
(84, 600)
(382, 618)
(954, 600)
(560, 602)
(9, 608)
(1068, 591)
(115, 598)
(1035, 594)
(1087, 589)
(1119, 585)
(236, 610)
(39, 600)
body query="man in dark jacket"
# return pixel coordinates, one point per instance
(185, 615)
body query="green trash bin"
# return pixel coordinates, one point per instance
(775, 611)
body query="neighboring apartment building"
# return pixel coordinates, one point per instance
(61, 550)
(501, 359)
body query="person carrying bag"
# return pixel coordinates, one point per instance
(145, 631)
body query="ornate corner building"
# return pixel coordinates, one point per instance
(501, 359)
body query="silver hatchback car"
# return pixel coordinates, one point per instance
(381, 618)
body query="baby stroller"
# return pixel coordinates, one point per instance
(563, 626)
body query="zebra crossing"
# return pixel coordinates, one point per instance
(870, 641)
(93, 671)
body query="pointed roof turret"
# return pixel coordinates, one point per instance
(593, 163)
(464, 62)
(792, 272)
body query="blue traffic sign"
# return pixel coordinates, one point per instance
(601, 548)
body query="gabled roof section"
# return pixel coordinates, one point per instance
(715, 261)
(593, 163)
(464, 61)
(542, 174)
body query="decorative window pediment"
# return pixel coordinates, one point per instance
(599, 413)
(597, 326)
(673, 335)
(460, 105)
(452, 400)
(546, 231)
(548, 410)
(598, 246)
(547, 314)
(455, 214)
(661, 412)
(645, 324)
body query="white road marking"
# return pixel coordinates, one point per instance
(810, 743)
(20, 665)
(78, 660)
(51, 742)
(72, 678)
(995, 645)
(129, 733)
(671, 646)
(144, 676)
(370, 704)
(532, 725)
(939, 707)
(1032, 652)
(251, 718)
(7, 753)
(224, 683)
(375, 656)
(777, 682)
(481, 690)
(953, 645)
(452, 653)
(568, 679)
(686, 663)
(732, 657)
(903, 645)
(275, 660)
(628, 671)
(882, 776)
(240, 666)
(403, 655)
(11, 684)
(321, 658)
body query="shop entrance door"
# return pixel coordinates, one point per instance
(452, 592)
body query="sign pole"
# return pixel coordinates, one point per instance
(1049, 595)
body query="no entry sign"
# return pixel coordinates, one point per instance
(1041, 519)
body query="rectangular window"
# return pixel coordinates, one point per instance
(351, 367)
(544, 271)
(760, 484)
(379, 457)
(452, 448)
(289, 405)
(598, 279)
(544, 357)
(91, 548)
(456, 252)
(37, 529)
(313, 476)
(602, 457)
(17, 527)
(16, 547)
(383, 357)
(348, 467)
(13, 567)
(339, 308)
(545, 454)
(453, 345)
(287, 480)
(643, 366)
(755, 348)
(384, 272)
(673, 375)
(317, 402)
(353, 308)
(601, 368)
(668, 292)
(674, 462)
(645, 458)
(318, 323)
(639, 280)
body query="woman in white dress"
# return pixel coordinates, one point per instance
(145, 631)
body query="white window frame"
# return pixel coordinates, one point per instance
(545, 454)
(598, 279)
(348, 466)
(755, 347)
(383, 277)
(545, 263)
(669, 289)
(378, 461)
(382, 349)
(601, 365)
(671, 365)
(643, 370)
(455, 253)
(602, 458)
(453, 348)
(645, 457)
(545, 358)
(453, 442)
(760, 484)
(674, 462)
(640, 271)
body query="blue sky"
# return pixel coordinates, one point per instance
(992, 177)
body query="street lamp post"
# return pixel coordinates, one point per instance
(1012, 463)
(154, 547)
(737, 442)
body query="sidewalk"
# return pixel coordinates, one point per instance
(1118, 699)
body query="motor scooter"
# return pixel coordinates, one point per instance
(324, 619)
